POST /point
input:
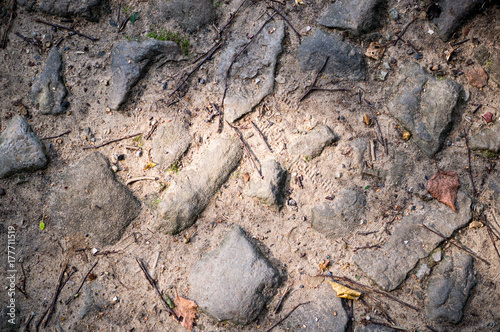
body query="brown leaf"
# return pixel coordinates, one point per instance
(444, 186)
(186, 311)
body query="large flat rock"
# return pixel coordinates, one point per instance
(409, 242)
(234, 281)
(453, 14)
(311, 144)
(87, 198)
(189, 14)
(486, 138)
(20, 149)
(424, 105)
(89, 9)
(195, 185)
(169, 143)
(269, 189)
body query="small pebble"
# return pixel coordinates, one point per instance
(410, 52)
(418, 56)
(394, 14)
(291, 202)
(139, 153)
(120, 157)
(2, 192)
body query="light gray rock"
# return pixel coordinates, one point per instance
(453, 14)
(20, 149)
(355, 16)
(169, 143)
(234, 281)
(87, 198)
(195, 185)
(449, 288)
(312, 144)
(252, 74)
(494, 186)
(494, 68)
(487, 138)
(409, 242)
(345, 59)
(190, 14)
(340, 217)
(424, 105)
(269, 190)
(89, 9)
(48, 92)
(130, 62)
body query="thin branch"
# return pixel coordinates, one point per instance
(315, 79)
(286, 316)
(282, 298)
(141, 178)
(288, 22)
(9, 24)
(470, 166)
(81, 285)
(66, 28)
(112, 141)
(493, 240)
(233, 15)
(404, 31)
(262, 135)
(57, 136)
(245, 147)
(50, 309)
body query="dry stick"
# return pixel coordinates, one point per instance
(9, 24)
(148, 135)
(282, 298)
(478, 106)
(119, 9)
(367, 247)
(153, 284)
(456, 244)
(141, 178)
(66, 28)
(370, 289)
(81, 285)
(50, 309)
(29, 40)
(245, 147)
(315, 79)
(262, 135)
(233, 15)
(376, 322)
(470, 167)
(404, 31)
(288, 22)
(62, 38)
(491, 227)
(459, 43)
(112, 141)
(492, 240)
(286, 316)
(57, 136)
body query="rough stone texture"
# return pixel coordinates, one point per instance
(312, 144)
(195, 185)
(494, 185)
(269, 190)
(356, 16)
(449, 288)
(89, 9)
(190, 14)
(424, 105)
(494, 68)
(20, 149)
(252, 75)
(476, 77)
(169, 143)
(87, 198)
(345, 62)
(130, 62)
(317, 315)
(409, 242)
(486, 138)
(453, 14)
(341, 216)
(373, 328)
(48, 92)
(234, 281)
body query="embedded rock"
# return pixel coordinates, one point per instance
(312, 144)
(269, 189)
(89, 9)
(487, 138)
(169, 143)
(190, 14)
(453, 14)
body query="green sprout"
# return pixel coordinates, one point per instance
(163, 34)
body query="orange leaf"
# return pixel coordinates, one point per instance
(444, 186)
(186, 311)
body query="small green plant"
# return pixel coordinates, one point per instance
(138, 140)
(307, 159)
(126, 9)
(174, 168)
(217, 3)
(489, 63)
(163, 34)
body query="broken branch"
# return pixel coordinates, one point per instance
(245, 147)
(81, 285)
(112, 141)
(66, 28)
(286, 316)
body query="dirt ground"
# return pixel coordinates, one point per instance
(285, 237)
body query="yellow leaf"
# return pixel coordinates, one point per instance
(343, 291)
(149, 165)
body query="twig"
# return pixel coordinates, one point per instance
(9, 24)
(367, 233)
(315, 79)
(492, 240)
(106, 252)
(469, 161)
(262, 135)
(233, 15)
(430, 328)
(153, 128)
(112, 141)
(288, 22)
(62, 38)
(404, 31)
(398, 328)
(50, 309)
(153, 284)
(34, 42)
(245, 147)
(286, 316)
(27, 325)
(477, 108)
(57, 136)
(282, 298)
(455, 244)
(66, 28)
(367, 247)
(141, 178)
(119, 9)
(459, 43)
(491, 227)
(123, 24)
(81, 285)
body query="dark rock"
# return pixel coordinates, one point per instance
(312, 144)
(340, 217)
(482, 54)
(453, 14)
(356, 16)
(486, 138)
(449, 288)
(345, 59)
(87, 198)
(2, 192)
(409, 242)
(49, 91)
(234, 281)
(169, 143)
(20, 149)
(269, 190)
(130, 62)
(89, 9)
(11, 321)
(195, 185)
(190, 14)
(424, 105)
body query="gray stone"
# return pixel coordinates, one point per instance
(494, 67)
(424, 105)
(49, 91)
(373, 328)
(269, 190)
(449, 288)
(394, 14)
(356, 16)
(169, 143)
(312, 144)
(87, 198)
(318, 315)
(252, 74)
(190, 14)
(453, 14)
(482, 54)
(89, 9)
(345, 59)
(409, 242)
(130, 62)
(494, 186)
(487, 138)
(340, 217)
(20, 149)
(234, 281)
(11, 321)
(195, 185)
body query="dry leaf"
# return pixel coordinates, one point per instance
(186, 311)
(444, 186)
(375, 51)
(149, 165)
(323, 266)
(343, 291)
